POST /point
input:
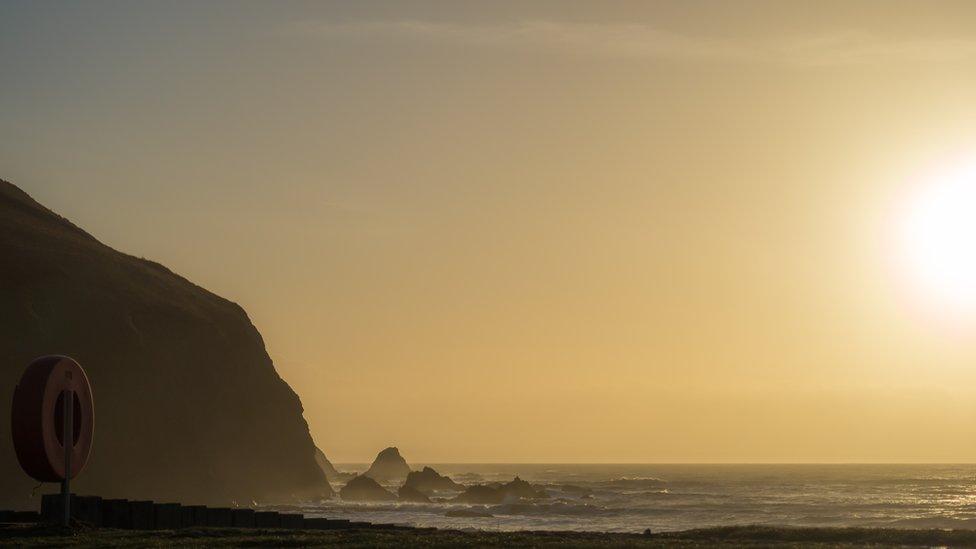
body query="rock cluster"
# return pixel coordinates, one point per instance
(515, 490)
(428, 481)
(421, 486)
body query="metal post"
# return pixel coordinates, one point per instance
(68, 436)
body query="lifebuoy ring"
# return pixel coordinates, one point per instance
(37, 421)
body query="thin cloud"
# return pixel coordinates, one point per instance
(647, 42)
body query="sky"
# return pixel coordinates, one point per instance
(536, 232)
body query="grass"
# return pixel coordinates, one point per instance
(734, 536)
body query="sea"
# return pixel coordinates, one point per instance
(632, 498)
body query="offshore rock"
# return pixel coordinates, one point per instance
(429, 481)
(388, 466)
(363, 488)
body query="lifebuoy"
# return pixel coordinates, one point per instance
(37, 421)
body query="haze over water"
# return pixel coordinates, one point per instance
(630, 498)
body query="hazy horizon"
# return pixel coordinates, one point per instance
(622, 232)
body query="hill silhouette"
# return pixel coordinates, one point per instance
(188, 405)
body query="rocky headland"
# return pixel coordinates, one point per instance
(188, 404)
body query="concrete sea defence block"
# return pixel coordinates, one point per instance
(148, 515)
(267, 519)
(51, 507)
(87, 509)
(83, 508)
(319, 523)
(193, 516)
(167, 516)
(25, 516)
(220, 517)
(141, 515)
(243, 518)
(292, 520)
(115, 513)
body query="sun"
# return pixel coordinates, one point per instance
(939, 237)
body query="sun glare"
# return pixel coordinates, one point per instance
(940, 237)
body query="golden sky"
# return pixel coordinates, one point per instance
(607, 231)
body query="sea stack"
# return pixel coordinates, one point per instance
(388, 466)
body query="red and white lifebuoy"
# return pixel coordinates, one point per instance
(37, 420)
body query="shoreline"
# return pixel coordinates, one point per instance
(37, 535)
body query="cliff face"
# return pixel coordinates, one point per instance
(188, 406)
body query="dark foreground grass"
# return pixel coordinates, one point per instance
(734, 536)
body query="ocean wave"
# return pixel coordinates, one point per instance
(636, 482)
(466, 478)
(468, 513)
(569, 489)
(933, 522)
(555, 508)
